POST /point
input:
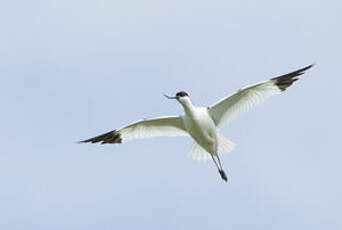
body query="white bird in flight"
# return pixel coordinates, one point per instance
(202, 123)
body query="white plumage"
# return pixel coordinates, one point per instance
(160, 126)
(246, 98)
(202, 123)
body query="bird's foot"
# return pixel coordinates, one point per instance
(223, 175)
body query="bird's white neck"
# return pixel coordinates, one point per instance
(187, 104)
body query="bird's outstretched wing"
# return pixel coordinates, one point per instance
(160, 126)
(246, 98)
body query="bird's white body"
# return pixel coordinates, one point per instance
(201, 127)
(202, 123)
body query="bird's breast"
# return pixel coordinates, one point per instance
(202, 128)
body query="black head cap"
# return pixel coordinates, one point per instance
(181, 94)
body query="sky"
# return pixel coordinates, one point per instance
(72, 69)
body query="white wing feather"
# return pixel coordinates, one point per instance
(160, 126)
(246, 98)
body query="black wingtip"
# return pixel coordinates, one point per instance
(307, 67)
(285, 81)
(112, 137)
(82, 142)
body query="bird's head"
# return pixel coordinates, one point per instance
(182, 97)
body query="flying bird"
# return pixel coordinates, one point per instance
(202, 123)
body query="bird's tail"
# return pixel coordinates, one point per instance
(197, 153)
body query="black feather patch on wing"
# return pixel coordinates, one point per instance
(284, 81)
(111, 137)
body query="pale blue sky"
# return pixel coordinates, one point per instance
(74, 69)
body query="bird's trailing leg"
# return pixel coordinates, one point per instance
(219, 167)
(222, 173)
